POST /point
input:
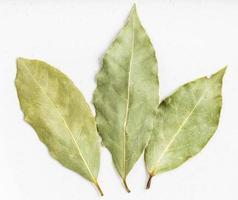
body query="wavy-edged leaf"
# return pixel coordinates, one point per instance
(58, 112)
(185, 122)
(126, 96)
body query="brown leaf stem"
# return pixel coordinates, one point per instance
(126, 186)
(149, 182)
(99, 189)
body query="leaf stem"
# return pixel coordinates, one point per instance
(126, 186)
(99, 188)
(149, 182)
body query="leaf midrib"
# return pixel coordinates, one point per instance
(128, 99)
(65, 123)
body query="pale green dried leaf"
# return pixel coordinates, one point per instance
(126, 96)
(185, 122)
(58, 112)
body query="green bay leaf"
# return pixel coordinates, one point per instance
(126, 96)
(58, 112)
(185, 122)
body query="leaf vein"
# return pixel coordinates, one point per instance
(128, 98)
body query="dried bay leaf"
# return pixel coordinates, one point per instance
(58, 112)
(126, 96)
(185, 122)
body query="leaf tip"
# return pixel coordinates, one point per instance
(133, 9)
(134, 6)
(220, 73)
(223, 70)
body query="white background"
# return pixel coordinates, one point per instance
(192, 38)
